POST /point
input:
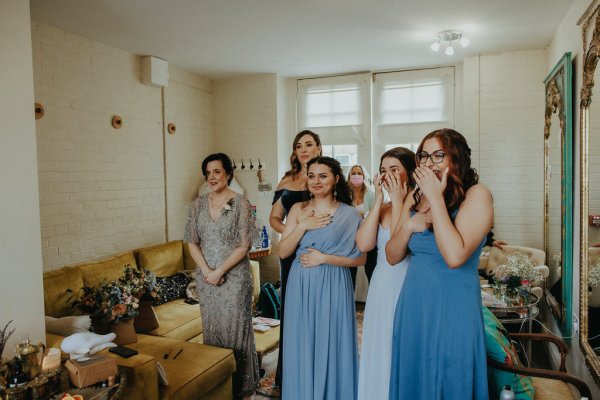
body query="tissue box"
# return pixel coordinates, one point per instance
(89, 372)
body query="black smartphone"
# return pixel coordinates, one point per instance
(190, 301)
(123, 351)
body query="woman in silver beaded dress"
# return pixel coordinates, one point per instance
(219, 230)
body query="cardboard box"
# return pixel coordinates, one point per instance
(86, 373)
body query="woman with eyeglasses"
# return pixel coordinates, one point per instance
(438, 349)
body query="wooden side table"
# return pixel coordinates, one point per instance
(258, 253)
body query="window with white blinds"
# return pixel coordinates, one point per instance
(409, 104)
(374, 111)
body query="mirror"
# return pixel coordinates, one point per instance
(590, 201)
(558, 188)
(589, 310)
(593, 232)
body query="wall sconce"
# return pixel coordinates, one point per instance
(117, 122)
(448, 39)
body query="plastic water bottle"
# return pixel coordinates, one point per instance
(507, 393)
(265, 237)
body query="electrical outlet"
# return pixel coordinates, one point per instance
(575, 324)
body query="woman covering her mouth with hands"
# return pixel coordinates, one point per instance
(396, 168)
(438, 349)
(320, 359)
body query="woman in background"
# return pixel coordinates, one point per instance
(291, 190)
(219, 230)
(438, 349)
(362, 200)
(395, 175)
(320, 358)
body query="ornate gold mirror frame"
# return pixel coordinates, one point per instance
(559, 241)
(591, 54)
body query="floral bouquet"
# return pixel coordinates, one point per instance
(594, 275)
(108, 303)
(518, 267)
(142, 282)
(115, 301)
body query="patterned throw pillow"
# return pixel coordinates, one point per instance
(171, 288)
(499, 348)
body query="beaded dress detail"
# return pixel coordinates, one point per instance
(227, 309)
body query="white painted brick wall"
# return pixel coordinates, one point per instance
(102, 190)
(245, 123)
(188, 104)
(503, 105)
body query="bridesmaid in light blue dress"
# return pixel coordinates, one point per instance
(395, 168)
(438, 350)
(320, 359)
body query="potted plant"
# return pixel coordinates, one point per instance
(4, 336)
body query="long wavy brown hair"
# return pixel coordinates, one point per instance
(407, 159)
(460, 174)
(294, 162)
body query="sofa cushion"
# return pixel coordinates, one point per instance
(106, 270)
(163, 259)
(68, 325)
(188, 260)
(178, 320)
(255, 268)
(61, 288)
(499, 348)
(552, 389)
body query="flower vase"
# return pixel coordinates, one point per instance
(146, 319)
(125, 332)
(503, 293)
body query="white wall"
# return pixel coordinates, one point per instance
(102, 190)
(246, 127)
(188, 103)
(503, 117)
(21, 297)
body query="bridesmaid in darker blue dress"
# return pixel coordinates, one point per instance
(438, 350)
(320, 359)
(291, 190)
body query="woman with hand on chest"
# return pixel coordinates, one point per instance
(219, 231)
(320, 359)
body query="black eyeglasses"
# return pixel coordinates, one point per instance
(436, 157)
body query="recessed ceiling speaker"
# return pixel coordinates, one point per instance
(155, 71)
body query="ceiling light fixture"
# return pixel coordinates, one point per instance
(448, 39)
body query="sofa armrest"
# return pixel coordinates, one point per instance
(544, 270)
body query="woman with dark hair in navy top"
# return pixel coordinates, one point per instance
(292, 189)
